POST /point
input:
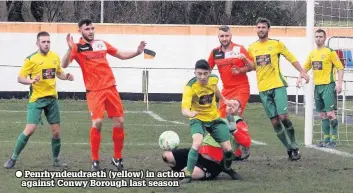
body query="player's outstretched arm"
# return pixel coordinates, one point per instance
(124, 55)
(62, 76)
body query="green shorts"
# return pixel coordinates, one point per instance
(325, 97)
(51, 108)
(275, 101)
(218, 129)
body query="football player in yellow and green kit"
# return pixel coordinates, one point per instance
(199, 104)
(272, 84)
(40, 70)
(324, 62)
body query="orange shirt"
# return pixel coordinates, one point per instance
(91, 57)
(225, 62)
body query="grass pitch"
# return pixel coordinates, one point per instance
(266, 171)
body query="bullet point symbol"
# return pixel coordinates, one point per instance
(18, 173)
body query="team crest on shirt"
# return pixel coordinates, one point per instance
(98, 46)
(270, 48)
(317, 65)
(322, 56)
(235, 52)
(48, 73)
(263, 60)
(206, 99)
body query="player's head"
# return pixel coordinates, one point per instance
(262, 27)
(234, 108)
(86, 29)
(43, 42)
(224, 35)
(320, 37)
(202, 71)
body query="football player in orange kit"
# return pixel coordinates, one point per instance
(99, 80)
(233, 61)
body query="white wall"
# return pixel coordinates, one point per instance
(173, 51)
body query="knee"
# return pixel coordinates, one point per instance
(118, 122)
(283, 117)
(197, 141)
(323, 115)
(97, 123)
(226, 146)
(55, 128)
(331, 115)
(275, 121)
(29, 129)
(287, 123)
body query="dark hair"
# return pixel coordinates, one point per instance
(83, 21)
(321, 31)
(202, 64)
(42, 33)
(224, 28)
(263, 20)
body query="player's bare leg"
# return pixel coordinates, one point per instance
(20, 144)
(118, 140)
(56, 145)
(95, 139)
(287, 123)
(192, 157)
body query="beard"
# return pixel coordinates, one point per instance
(87, 38)
(225, 45)
(44, 50)
(262, 35)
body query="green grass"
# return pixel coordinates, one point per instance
(266, 171)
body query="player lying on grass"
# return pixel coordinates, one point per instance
(240, 130)
(40, 71)
(209, 164)
(199, 105)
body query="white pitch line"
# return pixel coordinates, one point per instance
(140, 125)
(85, 143)
(332, 151)
(21, 111)
(258, 142)
(158, 118)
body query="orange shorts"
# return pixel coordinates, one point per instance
(240, 93)
(215, 153)
(108, 100)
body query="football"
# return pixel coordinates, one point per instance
(168, 140)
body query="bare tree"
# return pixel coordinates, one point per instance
(27, 12)
(5, 8)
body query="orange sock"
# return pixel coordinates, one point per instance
(95, 140)
(118, 139)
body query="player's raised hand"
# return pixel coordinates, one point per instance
(235, 70)
(70, 41)
(141, 47)
(35, 79)
(69, 77)
(192, 114)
